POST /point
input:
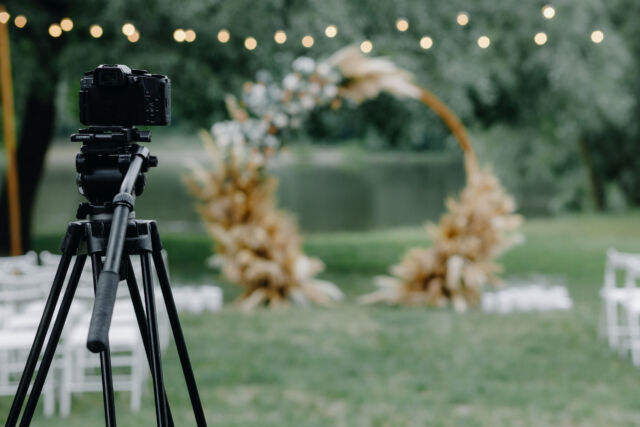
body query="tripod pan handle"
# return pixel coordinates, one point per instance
(102, 311)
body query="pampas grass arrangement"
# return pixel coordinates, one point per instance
(256, 246)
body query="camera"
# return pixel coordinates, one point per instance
(116, 95)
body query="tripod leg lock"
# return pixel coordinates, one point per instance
(124, 199)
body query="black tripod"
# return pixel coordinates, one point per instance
(110, 174)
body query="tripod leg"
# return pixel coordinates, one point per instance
(70, 243)
(152, 326)
(178, 336)
(52, 343)
(105, 358)
(142, 324)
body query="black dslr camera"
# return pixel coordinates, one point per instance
(116, 95)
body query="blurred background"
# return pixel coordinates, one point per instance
(550, 94)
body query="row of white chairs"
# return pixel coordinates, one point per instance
(24, 286)
(620, 309)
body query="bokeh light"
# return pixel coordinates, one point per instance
(331, 31)
(402, 24)
(307, 41)
(597, 36)
(189, 36)
(426, 42)
(548, 12)
(179, 35)
(366, 46)
(20, 21)
(250, 43)
(462, 19)
(55, 30)
(484, 42)
(96, 31)
(280, 37)
(128, 29)
(66, 24)
(133, 38)
(4, 17)
(540, 38)
(223, 36)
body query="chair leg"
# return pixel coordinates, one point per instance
(613, 334)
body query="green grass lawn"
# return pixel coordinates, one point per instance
(386, 366)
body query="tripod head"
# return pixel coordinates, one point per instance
(103, 162)
(111, 173)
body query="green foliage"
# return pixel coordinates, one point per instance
(562, 113)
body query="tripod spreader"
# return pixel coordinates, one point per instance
(107, 287)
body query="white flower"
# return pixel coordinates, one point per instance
(323, 69)
(307, 102)
(304, 65)
(280, 120)
(330, 91)
(290, 81)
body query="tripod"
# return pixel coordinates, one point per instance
(110, 174)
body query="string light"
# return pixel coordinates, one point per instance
(96, 31)
(133, 38)
(366, 46)
(189, 36)
(280, 37)
(331, 31)
(484, 42)
(462, 19)
(4, 17)
(128, 29)
(597, 36)
(540, 38)
(548, 12)
(426, 42)
(20, 21)
(307, 41)
(402, 25)
(179, 35)
(66, 24)
(55, 30)
(250, 43)
(223, 36)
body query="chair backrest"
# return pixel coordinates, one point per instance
(621, 261)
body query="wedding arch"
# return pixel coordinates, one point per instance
(258, 246)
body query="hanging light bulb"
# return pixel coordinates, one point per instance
(540, 38)
(280, 36)
(402, 25)
(366, 46)
(484, 42)
(331, 31)
(66, 24)
(426, 42)
(462, 19)
(96, 31)
(223, 36)
(20, 21)
(250, 43)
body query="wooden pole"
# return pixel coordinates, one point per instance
(9, 125)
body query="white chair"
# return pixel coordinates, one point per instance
(15, 343)
(81, 369)
(613, 326)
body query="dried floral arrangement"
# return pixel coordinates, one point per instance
(259, 247)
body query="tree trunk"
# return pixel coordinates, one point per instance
(36, 131)
(595, 183)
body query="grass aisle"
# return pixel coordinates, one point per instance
(383, 366)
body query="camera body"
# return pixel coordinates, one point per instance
(116, 95)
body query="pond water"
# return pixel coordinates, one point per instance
(326, 192)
